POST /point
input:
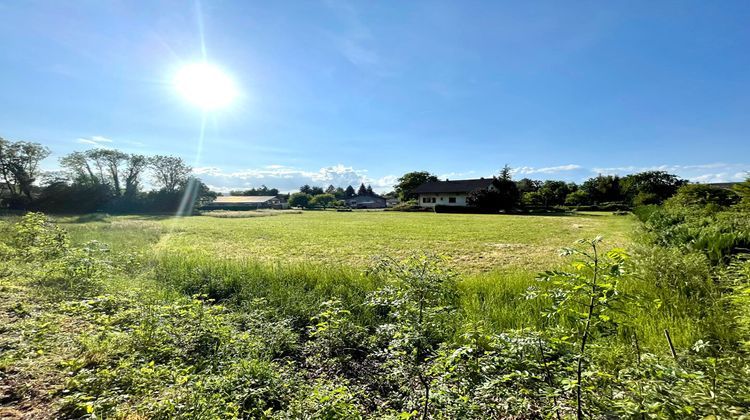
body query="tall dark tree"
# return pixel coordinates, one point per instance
(110, 160)
(411, 180)
(350, 192)
(136, 164)
(603, 189)
(362, 191)
(331, 189)
(528, 185)
(19, 165)
(169, 172)
(316, 191)
(506, 174)
(339, 193)
(502, 195)
(305, 189)
(369, 191)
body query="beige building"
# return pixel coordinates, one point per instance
(449, 193)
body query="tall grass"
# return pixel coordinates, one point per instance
(497, 299)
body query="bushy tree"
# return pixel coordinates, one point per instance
(411, 180)
(169, 172)
(502, 195)
(316, 191)
(299, 199)
(526, 185)
(702, 195)
(554, 193)
(650, 187)
(577, 198)
(78, 168)
(306, 189)
(533, 199)
(322, 200)
(603, 189)
(19, 165)
(135, 166)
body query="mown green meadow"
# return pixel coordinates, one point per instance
(473, 243)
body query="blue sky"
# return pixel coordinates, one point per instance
(343, 92)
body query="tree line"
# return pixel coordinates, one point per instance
(601, 191)
(331, 196)
(96, 180)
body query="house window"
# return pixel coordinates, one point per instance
(451, 199)
(433, 199)
(424, 199)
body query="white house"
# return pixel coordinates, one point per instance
(449, 193)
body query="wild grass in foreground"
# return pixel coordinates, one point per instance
(197, 336)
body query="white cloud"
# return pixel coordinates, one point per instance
(287, 178)
(98, 141)
(529, 170)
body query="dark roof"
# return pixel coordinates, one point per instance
(461, 186)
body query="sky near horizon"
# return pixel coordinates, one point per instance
(339, 93)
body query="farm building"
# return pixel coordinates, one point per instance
(449, 193)
(247, 202)
(366, 202)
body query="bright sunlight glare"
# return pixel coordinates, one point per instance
(205, 85)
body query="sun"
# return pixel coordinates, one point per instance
(205, 85)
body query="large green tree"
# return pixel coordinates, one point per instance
(299, 199)
(411, 180)
(502, 195)
(322, 200)
(19, 165)
(603, 189)
(650, 187)
(134, 168)
(169, 172)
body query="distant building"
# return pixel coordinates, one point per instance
(366, 202)
(247, 202)
(723, 185)
(449, 193)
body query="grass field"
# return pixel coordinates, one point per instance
(296, 260)
(255, 290)
(473, 243)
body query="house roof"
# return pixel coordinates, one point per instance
(243, 199)
(459, 186)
